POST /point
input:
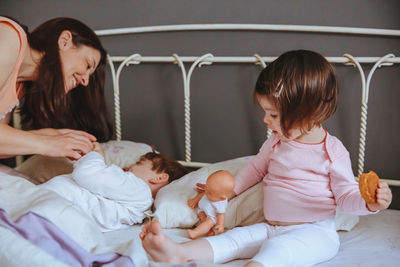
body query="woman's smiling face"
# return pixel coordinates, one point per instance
(77, 62)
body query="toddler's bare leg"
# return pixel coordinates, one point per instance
(163, 249)
(201, 229)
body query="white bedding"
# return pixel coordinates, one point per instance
(375, 241)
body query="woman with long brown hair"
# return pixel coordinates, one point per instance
(56, 73)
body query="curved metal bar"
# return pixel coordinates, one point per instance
(112, 69)
(364, 102)
(363, 122)
(203, 60)
(250, 27)
(381, 62)
(352, 61)
(364, 111)
(200, 61)
(189, 59)
(117, 110)
(179, 62)
(186, 108)
(116, 93)
(261, 62)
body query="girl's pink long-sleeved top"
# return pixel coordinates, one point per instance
(303, 182)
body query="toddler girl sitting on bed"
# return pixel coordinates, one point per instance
(115, 198)
(306, 174)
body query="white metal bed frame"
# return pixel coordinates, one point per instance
(208, 59)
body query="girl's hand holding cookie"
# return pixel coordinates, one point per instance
(383, 198)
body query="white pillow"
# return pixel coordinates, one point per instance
(171, 208)
(121, 153)
(124, 153)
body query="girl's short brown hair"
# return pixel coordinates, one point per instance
(303, 87)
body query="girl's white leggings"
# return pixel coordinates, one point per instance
(296, 245)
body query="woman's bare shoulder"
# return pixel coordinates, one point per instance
(9, 48)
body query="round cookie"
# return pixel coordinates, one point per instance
(368, 184)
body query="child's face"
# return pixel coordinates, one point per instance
(272, 119)
(143, 170)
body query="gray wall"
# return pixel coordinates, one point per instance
(225, 123)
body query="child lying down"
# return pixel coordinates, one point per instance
(114, 197)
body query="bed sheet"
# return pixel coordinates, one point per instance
(375, 241)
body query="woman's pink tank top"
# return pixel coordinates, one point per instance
(10, 92)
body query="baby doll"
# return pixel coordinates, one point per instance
(212, 204)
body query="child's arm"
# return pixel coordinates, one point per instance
(98, 148)
(91, 173)
(347, 192)
(219, 226)
(193, 202)
(257, 168)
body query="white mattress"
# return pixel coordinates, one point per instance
(375, 241)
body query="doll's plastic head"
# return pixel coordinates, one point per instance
(219, 185)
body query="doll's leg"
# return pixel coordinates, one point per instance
(201, 229)
(202, 216)
(300, 245)
(211, 232)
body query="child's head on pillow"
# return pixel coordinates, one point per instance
(157, 170)
(163, 164)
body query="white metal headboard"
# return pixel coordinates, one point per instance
(208, 59)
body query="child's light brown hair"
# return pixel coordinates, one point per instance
(303, 87)
(162, 163)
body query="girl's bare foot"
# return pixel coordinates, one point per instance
(157, 245)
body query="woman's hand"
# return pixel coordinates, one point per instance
(65, 142)
(383, 198)
(51, 131)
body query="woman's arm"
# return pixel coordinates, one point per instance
(70, 144)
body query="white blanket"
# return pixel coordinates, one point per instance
(113, 198)
(375, 241)
(18, 196)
